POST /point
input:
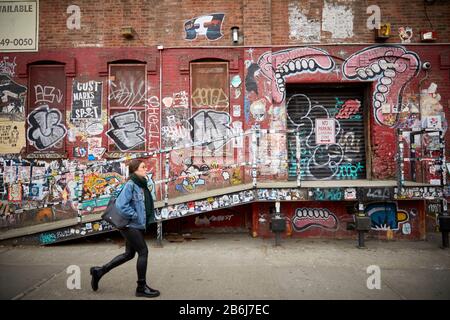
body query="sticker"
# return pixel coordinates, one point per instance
(236, 111)
(236, 81)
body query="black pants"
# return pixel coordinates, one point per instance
(135, 242)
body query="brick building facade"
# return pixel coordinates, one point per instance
(308, 74)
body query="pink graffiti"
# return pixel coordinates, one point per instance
(392, 66)
(279, 65)
(350, 107)
(306, 218)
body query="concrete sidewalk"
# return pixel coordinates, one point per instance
(234, 266)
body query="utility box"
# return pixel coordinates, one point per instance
(363, 223)
(444, 223)
(278, 224)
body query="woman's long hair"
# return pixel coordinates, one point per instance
(134, 165)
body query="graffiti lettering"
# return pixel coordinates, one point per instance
(47, 94)
(327, 194)
(209, 125)
(131, 95)
(8, 67)
(45, 127)
(209, 97)
(349, 170)
(126, 130)
(47, 238)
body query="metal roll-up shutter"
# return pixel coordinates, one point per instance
(330, 124)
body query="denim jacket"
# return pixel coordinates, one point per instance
(131, 204)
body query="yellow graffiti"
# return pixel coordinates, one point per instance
(101, 183)
(236, 176)
(402, 216)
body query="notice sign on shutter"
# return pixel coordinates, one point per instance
(325, 131)
(19, 26)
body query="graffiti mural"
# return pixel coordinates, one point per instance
(126, 131)
(279, 65)
(8, 66)
(189, 184)
(341, 157)
(306, 218)
(431, 110)
(209, 125)
(393, 67)
(101, 184)
(385, 216)
(207, 25)
(45, 127)
(203, 206)
(175, 128)
(12, 98)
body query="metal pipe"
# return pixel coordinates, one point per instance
(361, 239)
(159, 234)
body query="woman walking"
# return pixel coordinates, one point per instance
(135, 201)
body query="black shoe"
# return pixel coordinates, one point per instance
(96, 273)
(147, 292)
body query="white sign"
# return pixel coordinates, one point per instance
(19, 26)
(325, 131)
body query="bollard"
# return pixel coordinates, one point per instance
(444, 227)
(362, 224)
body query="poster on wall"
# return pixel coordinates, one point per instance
(19, 26)
(86, 100)
(15, 192)
(325, 131)
(12, 136)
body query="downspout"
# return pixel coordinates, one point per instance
(160, 49)
(159, 231)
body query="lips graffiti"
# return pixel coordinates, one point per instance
(277, 66)
(306, 218)
(393, 67)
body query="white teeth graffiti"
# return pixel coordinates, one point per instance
(282, 64)
(394, 68)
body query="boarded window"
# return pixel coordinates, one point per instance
(330, 124)
(127, 96)
(210, 118)
(46, 114)
(209, 86)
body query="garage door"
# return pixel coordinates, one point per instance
(330, 124)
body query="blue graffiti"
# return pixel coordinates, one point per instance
(47, 238)
(349, 170)
(328, 194)
(385, 216)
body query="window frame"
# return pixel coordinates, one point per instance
(121, 109)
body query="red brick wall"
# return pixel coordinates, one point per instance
(155, 22)
(92, 64)
(261, 22)
(397, 13)
(334, 225)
